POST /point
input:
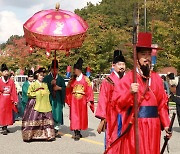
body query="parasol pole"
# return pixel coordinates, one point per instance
(134, 41)
(54, 65)
(54, 73)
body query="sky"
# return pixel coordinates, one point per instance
(14, 13)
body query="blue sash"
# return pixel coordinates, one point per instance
(148, 112)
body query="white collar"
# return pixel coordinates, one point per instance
(4, 80)
(30, 82)
(116, 73)
(78, 78)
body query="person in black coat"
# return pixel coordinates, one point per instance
(175, 97)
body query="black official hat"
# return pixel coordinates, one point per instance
(35, 74)
(30, 73)
(41, 70)
(171, 76)
(4, 67)
(118, 57)
(78, 64)
(54, 62)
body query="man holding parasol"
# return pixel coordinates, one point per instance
(56, 87)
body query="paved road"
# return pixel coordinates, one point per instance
(92, 143)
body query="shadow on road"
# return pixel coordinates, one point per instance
(176, 129)
(88, 132)
(14, 129)
(85, 133)
(65, 129)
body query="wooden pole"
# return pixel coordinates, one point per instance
(138, 20)
(54, 74)
(145, 16)
(136, 132)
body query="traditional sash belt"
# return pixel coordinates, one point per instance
(148, 112)
(77, 92)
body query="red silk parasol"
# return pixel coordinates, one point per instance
(55, 29)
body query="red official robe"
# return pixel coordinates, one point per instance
(78, 93)
(105, 109)
(8, 96)
(149, 128)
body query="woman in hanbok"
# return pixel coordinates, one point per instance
(37, 122)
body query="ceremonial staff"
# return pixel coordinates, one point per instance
(133, 118)
(134, 41)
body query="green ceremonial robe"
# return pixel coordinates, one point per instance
(58, 101)
(24, 94)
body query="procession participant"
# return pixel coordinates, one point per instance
(166, 88)
(79, 93)
(17, 115)
(8, 99)
(104, 110)
(174, 83)
(25, 87)
(18, 87)
(56, 86)
(166, 85)
(152, 103)
(37, 123)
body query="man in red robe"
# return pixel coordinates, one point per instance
(79, 93)
(152, 103)
(104, 110)
(8, 99)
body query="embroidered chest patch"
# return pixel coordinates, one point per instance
(78, 91)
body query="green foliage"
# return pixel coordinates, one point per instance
(117, 16)
(13, 37)
(166, 31)
(110, 28)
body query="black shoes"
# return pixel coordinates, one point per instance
(77, 135)
(5, 131)
(56, 131)
(57, 135)
(80, 134)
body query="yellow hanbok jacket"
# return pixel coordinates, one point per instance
(40, 92)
